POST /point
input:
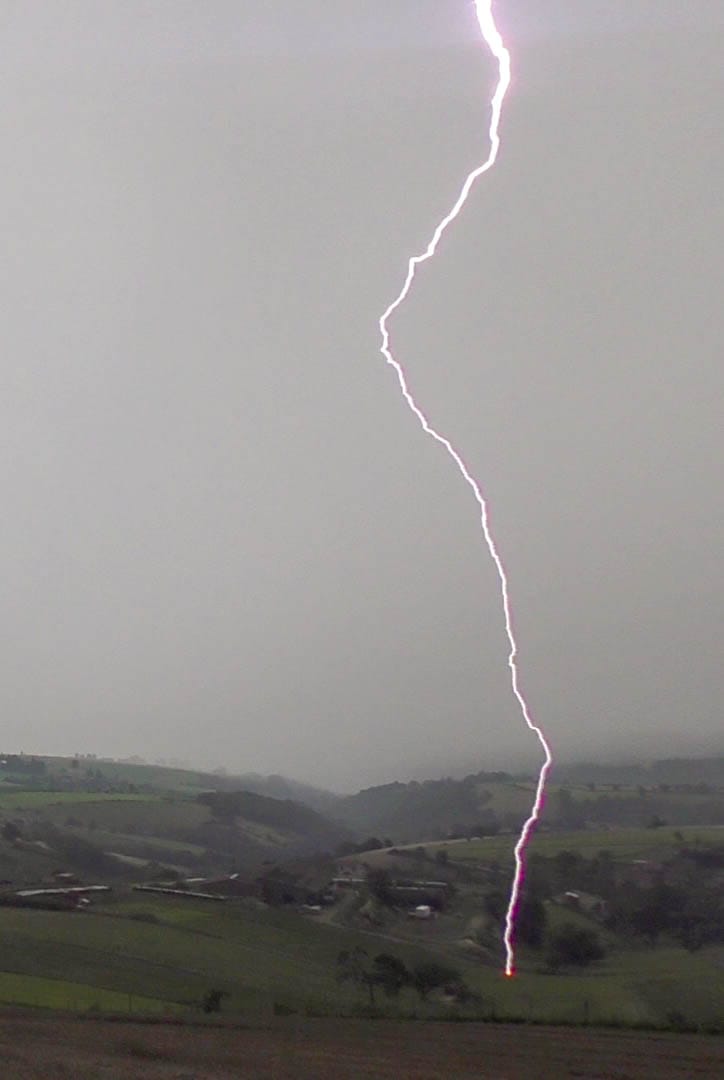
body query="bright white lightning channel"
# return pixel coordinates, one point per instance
(494, 41)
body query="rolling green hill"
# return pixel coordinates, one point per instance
(485, 803)
(162, 955)
(107, 819)
(124, 823)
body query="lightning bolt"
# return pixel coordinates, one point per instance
(494, 41)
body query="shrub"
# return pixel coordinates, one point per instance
(211, 1001)
(10, 832)
(434, 976)
(573, 946)
(280, 1009)
(391, 974)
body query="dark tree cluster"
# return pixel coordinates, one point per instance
(693, 915)
(573, 946)
(372, 843)
(683, 902)
(391, 975)
(21, 763)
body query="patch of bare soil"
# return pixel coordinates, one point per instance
(55, 1048)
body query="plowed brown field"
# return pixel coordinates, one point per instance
(39, 1048)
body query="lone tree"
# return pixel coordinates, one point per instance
(211, 1001)
(379, 884)
(659, 911)
(391, 974)
(353, 966)
(433, 976)
(11, 832)
(573, 946)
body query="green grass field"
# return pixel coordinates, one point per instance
(623, 843)
(255, 957)
(156, 777)
(158, 816)
(46, 993)
(167, 953)
(36, 800)
(159, 847)
(144, 953)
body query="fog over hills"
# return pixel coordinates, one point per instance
(225, 538)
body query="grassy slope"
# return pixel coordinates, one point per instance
(623, 843)
(434, 808)
(634, 984)
(157, 777)
(256, 956)
(262, 956)
(111, 822)
(40, 992)
(12, 800)
(123, 814)
(168, 826)
(54, 958)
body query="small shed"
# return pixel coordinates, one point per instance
(422, 911)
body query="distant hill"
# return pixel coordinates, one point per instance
(100, 819)
(303, 828)
(670, 791)
(281, 787)
(73, 812)
(146, 777)
(678, 771)
(436, 808)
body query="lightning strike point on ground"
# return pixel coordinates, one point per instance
(494, 41)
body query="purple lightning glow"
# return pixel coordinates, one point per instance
(495, 43)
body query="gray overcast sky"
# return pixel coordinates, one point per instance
(224, 537)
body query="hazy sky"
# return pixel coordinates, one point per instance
(224, 537)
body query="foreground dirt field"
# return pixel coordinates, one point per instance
(51, 1048)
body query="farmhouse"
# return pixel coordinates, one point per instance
(68, 899)
(72, 890)
(348, 882)
(422, 911)
(227, 885)
(185, 894)
(587, 903)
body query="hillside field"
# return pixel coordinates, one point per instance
(160, 954)
(149, 955)
(623, 843)
(109, 819)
